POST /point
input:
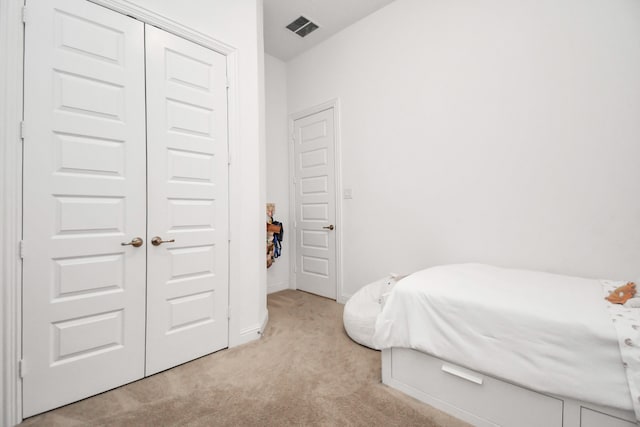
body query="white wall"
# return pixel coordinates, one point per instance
(262, 160)
(278, 165)
(497, 131)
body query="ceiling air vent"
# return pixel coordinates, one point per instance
(302, 26)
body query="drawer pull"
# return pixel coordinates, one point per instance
(461, 374)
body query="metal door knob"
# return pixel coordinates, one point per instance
(157, 241)
(136, 242)
(329, 227)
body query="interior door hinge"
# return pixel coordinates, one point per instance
(229, 159)
(22, 371)
(23, 130)
(25, 14)
(21, 249)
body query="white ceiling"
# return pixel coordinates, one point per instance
(331, 15)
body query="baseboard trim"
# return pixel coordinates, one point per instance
(265, 320)
(277, 287)
(342, 299)
(252, 333)
(247, 335)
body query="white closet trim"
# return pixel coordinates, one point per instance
(165, 23)
(11, 46)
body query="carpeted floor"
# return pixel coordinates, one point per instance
(304, 371)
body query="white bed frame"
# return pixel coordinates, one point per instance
(483, 400)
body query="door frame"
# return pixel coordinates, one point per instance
(335, 105)
(11, 116)
(11, 72)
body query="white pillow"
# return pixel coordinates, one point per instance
(633, 302)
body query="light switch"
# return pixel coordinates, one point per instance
(347, 194)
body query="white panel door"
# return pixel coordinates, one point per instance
(84, 195)
(187, 276)
(315, 210)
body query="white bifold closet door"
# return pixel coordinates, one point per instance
(101, 170)
(187, 277)
(84, 194)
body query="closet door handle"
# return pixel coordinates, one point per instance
(329, 227)
(136, 242)
(157, 241)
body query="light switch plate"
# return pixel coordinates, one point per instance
(347, 193)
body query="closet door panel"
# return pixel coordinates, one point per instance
(84, 195)
(187, 200)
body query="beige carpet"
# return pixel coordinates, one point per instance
(304, 371)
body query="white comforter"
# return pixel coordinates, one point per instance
(547, 332)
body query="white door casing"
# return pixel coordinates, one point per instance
(315, 203)
(84, 195)
(187, 277)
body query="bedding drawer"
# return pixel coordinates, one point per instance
(494, 402)
(590, 418)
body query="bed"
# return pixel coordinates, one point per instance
(497, 346)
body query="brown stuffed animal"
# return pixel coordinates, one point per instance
(622, 294)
